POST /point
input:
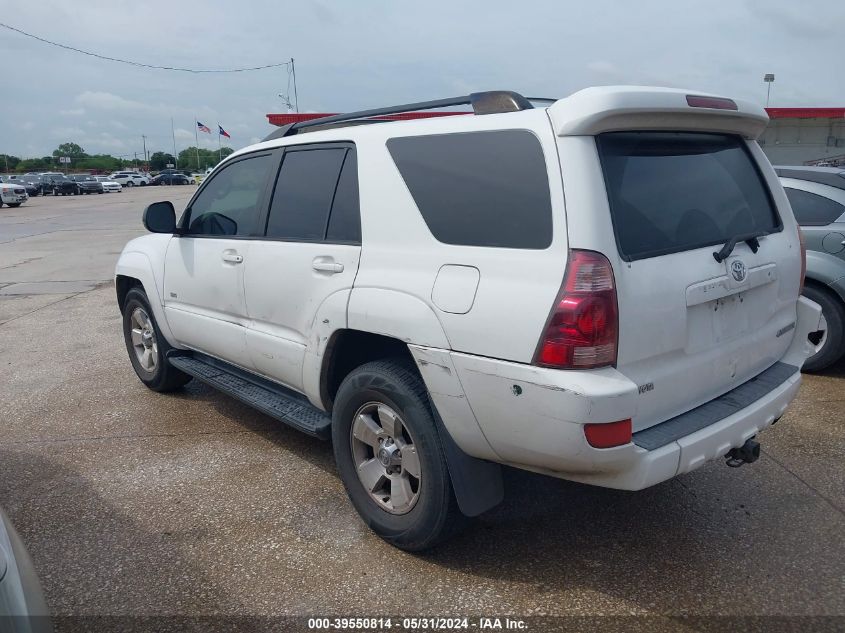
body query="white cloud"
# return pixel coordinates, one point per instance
(351, 57)
(113, 102)
(182, 134)
(67, 132)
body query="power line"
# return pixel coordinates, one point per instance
(139, 64)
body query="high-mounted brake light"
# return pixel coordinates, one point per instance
(719, 103)
(583, 326)
(608, 435)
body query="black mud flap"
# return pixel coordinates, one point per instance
(477, 483)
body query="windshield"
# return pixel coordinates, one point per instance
(677, 191)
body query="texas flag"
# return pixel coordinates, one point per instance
(223, 132)
(203, 128)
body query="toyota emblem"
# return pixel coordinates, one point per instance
(738, 270)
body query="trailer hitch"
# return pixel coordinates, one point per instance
(748, 453)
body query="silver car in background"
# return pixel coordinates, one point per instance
(817, 196)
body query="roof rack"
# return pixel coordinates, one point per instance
(490, 102)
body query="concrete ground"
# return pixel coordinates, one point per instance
(135, 503)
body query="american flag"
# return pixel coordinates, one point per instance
(203, 128)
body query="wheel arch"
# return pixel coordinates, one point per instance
(827, 272)
(134, 270)
(477, 482)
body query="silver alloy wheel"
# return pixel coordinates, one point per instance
(822, 326)
(144, 340)
(385, 457)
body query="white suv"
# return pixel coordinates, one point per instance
(130, 179)
(603, 289)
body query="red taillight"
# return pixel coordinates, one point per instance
(803, 259)
(608, 435)
(584, 324)
(719, 103)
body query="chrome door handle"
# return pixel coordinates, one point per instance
(232, 258)
(326, 265)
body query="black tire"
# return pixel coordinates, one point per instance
(435, 515)
(129, 184)
(834, 313)
(13, 204)
(163, 377)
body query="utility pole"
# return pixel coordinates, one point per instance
(146, 160)
(295, 96)
(173, 134)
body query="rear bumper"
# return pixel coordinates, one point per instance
(533, 418)
(649, 467)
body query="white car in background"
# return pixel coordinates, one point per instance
(130, 178)
(109, 185)
(12, 194)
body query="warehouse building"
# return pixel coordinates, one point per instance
(795, 136)
(805, 136)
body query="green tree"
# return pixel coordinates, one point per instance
(160, 160)
(44, 163)
(98, 162)
(9, 163)
(207, 157)
(69, 149)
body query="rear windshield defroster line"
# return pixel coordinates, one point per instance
(677, 191)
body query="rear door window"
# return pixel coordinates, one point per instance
(304, 192)
(811, 209)
(677, 191)
(479, 188)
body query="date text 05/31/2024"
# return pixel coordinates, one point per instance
(413, 624)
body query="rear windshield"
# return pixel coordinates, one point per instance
(676, 191)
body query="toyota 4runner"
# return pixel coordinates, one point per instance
(603, 288)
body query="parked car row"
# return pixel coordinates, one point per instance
(58, 184)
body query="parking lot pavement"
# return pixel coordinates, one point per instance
(133, 502)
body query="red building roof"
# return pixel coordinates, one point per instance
(774, 113)
(806, 113)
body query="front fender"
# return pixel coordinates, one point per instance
(138, 265)
(828, 270)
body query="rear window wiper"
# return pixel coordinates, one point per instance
(748, 238)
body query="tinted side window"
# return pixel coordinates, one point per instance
(228, 205)
(811, 209)
(345, 219)
(479, 188)
(304, 192)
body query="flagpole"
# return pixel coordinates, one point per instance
(197, 136)
(173, 134)
(219, 144)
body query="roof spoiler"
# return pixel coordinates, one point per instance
(616, 108)
(490, 102)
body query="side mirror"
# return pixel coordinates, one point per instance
(160, 217)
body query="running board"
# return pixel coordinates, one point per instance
(274, 400)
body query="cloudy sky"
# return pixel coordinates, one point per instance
(352, 55)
